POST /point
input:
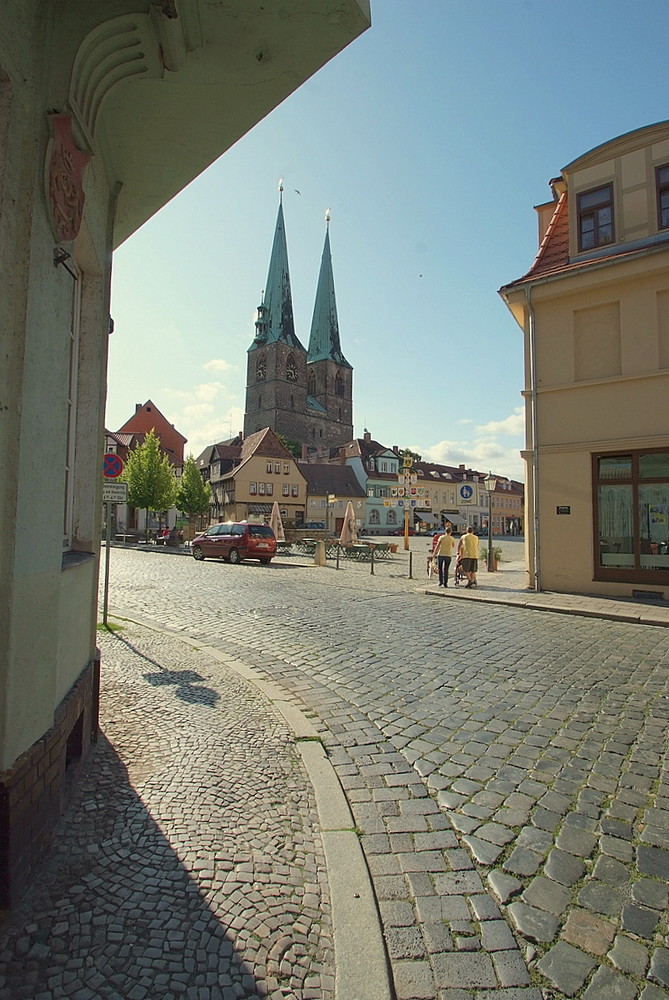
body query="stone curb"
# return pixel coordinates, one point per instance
(519, 602)
(361, 960)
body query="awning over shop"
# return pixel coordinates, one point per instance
(425, 517)
(260, 508)
(455, 520)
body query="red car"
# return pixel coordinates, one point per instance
(235, 541)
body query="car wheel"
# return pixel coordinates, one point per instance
(265, 562)
(198, 553)
(234, 556)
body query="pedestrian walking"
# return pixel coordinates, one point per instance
(468, 551)
(443, 551)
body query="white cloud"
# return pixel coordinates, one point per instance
(494, 446)
(511, 425)
(201, 433)
(205, 392)
(219, 365)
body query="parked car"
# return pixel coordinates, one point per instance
(234, 541)
(400, 531)
(312, 525)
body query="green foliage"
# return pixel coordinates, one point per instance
(193, 495)
(294, 447)
(150, 476)
(408, 453)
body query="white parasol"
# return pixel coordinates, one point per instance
(276, 523)
(349, 532)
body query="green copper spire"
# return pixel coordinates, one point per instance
(276, 310)
(324, 338)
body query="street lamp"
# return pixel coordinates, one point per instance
(490, 483)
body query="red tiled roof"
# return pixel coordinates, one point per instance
(553, 253)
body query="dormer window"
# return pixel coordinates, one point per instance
(662, 175)
(595, 218)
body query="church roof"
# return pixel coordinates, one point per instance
(278, 299)
(324, 343)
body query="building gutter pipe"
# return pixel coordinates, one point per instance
(535, 555)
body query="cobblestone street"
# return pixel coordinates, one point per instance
(506, 769)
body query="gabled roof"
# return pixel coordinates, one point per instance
(265, 443)
(156, 416)
(324, 479)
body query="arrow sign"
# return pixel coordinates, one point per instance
(112, 466)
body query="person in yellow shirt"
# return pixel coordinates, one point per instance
(443, 552)
(468, 551)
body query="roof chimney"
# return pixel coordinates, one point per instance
(367, 437)
(138, 407)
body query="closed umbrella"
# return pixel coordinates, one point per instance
(276, 524)
(349, 533)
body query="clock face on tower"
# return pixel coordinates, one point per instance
(260, 370)
(291, 371)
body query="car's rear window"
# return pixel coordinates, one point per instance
(261, 530)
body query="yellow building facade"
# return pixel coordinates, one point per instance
(594, 310)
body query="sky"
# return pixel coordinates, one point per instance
(430, 139)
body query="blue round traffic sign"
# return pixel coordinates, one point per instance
(112, 466)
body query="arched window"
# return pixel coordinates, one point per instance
(374, 517)
(391, 516)
(339, 385)
(311, 383)
(292, 400)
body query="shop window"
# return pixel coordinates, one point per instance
(631, 511)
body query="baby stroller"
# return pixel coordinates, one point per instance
(459, 572)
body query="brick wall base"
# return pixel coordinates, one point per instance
(34, 790)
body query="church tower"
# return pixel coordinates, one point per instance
(329, 375)
(276, 371)
(307, 396)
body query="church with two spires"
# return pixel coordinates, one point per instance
(304, 394)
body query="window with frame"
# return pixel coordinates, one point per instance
(595, 218)
(374, 517)
(253, 488)
(269, 489)
(277, 468)
(268, 466)
(631, 516)
(285, 489)
(662, 183)
(294, 490)
(261, 489)
(286, 468)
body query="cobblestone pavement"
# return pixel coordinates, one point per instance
(188, 864)
(507, 767)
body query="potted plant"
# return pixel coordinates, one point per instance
(496, 556)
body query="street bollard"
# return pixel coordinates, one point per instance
(410, 564)
(337, 565)
(320, 558)
(372, 560)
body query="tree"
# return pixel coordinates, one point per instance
(408, 453)
(150, 477)
(294, 447)
(193, 494)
